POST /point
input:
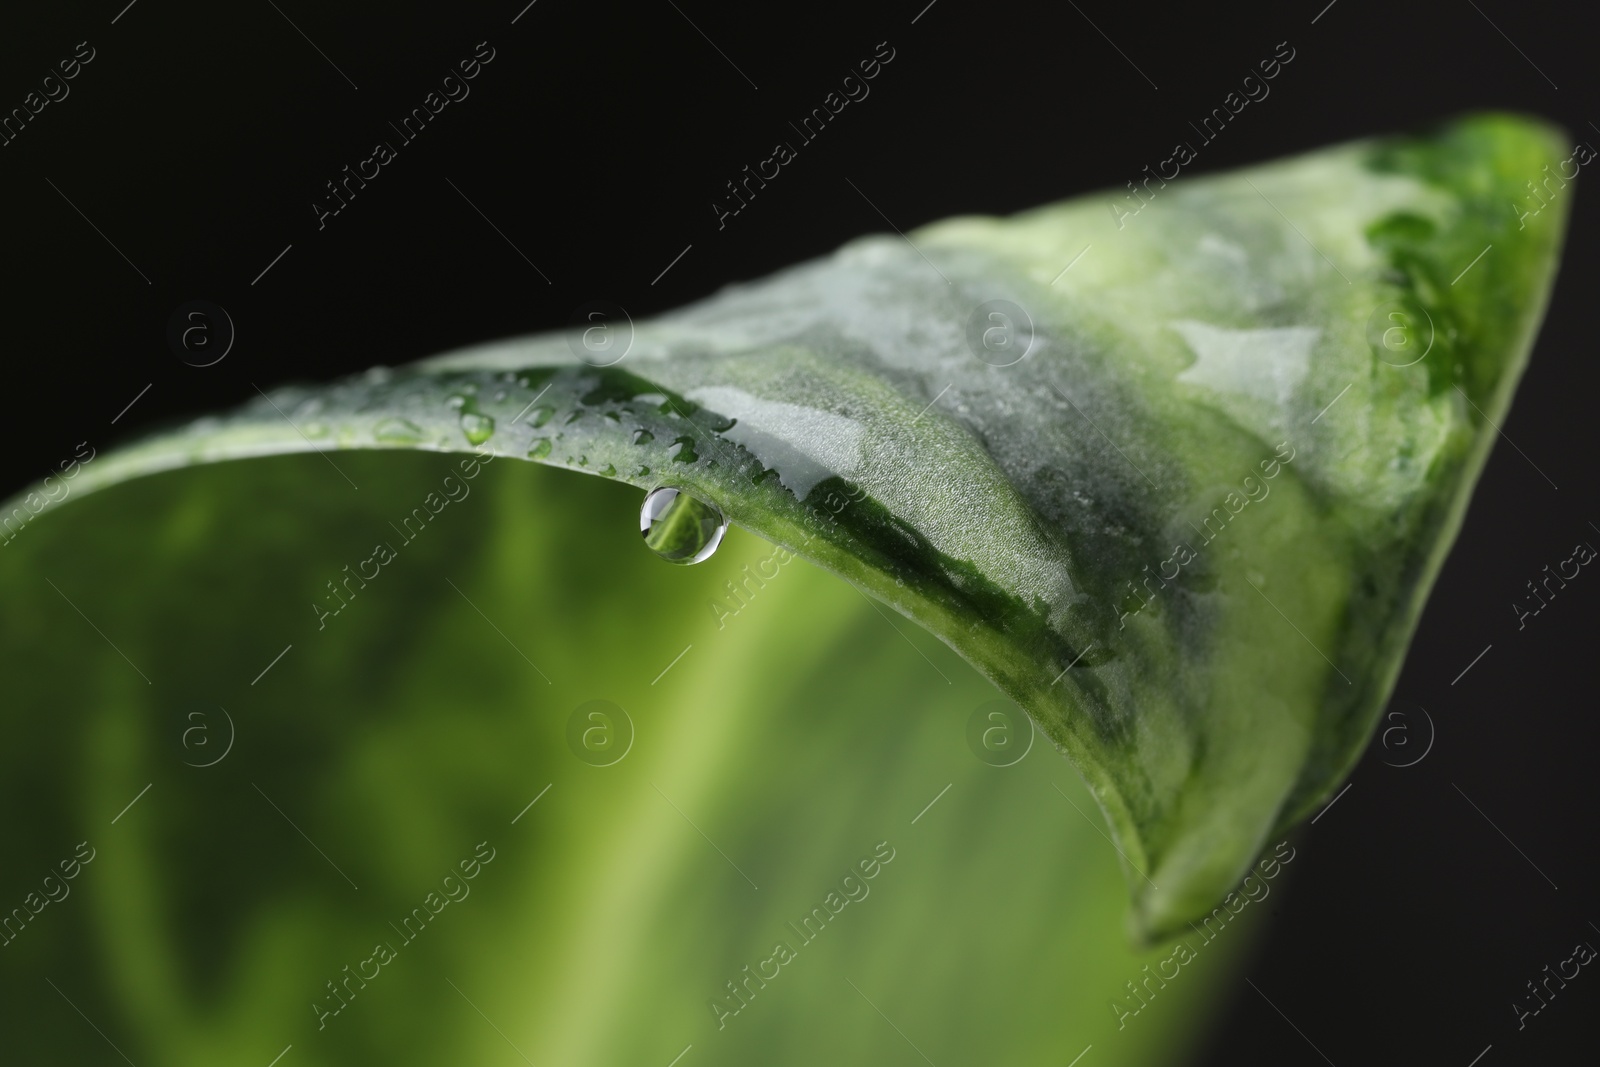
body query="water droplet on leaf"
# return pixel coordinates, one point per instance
(396, 431)
(477, 426)
(680, 528)
(540, 449)
(643, 437)
(540, 416)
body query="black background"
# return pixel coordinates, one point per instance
(596, 140)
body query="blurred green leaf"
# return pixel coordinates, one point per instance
(804, 734)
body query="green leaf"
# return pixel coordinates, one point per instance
(799, 732)
(1183, 499)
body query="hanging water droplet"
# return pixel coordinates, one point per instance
(680, 528)
(477, 426)
(540, 449)
(396, 431)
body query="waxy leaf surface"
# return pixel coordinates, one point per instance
(1175, 473)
